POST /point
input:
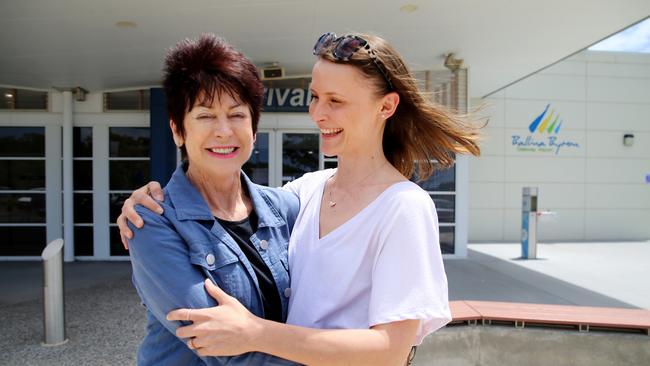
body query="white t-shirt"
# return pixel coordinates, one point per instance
(382, 265)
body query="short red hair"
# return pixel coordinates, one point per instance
(205, 68)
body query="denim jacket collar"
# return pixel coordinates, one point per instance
(190, 205)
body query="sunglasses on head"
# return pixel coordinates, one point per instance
(342, 48)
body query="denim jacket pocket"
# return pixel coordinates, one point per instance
(223, 266)
(211, 255)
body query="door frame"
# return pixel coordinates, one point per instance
(276, 178)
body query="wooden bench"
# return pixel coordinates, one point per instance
(582, 318)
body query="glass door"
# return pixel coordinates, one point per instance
(299, 154)
(258, 167)
(128, 168)
(22, 191)
(280, 156)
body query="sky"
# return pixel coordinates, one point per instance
(633, 39)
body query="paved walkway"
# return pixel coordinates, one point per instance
(620, 271)
(105, 321)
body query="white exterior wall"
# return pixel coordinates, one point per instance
(598, 190)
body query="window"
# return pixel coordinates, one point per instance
(131, 100)
(128, 169)
(82, 160)
(22, 99)
(22, 191)
(82, 152)
(441, 186)
(299, 154)
(257, 167)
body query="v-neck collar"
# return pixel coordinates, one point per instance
(319, 202)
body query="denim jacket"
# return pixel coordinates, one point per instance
(173, 253)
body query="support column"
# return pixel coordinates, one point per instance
(101, 202)
(53, 187)
(68, 177)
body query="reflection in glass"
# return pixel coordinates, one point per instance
(129, 142)
(83, 240)
(22, 174)
(22, 141)
(22, 208)
(83, 208)
(83, 175)
(82, 142)
(116, 200)
(299, 155)
(129, 100)
(31, 99)
(445, 207)
(257, 167)
(11, 98)
(22, 240)
(447, 239)
(441, 180)
(116, 244)
(128, 175)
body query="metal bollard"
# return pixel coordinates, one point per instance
(53, 305)
(529, 223)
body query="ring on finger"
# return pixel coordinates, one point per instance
(188, 314)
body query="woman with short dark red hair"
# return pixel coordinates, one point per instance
(216, 223)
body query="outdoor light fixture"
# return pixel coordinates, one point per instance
(453, 63)
(80, 94)
(9, 95)
(628, 139)
(272, 71)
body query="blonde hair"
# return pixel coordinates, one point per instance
(421, 131)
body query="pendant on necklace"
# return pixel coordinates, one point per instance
(332, 203)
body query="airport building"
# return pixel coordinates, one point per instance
(77, 134)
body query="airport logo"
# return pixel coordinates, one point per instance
(540, 123)
(544, 137)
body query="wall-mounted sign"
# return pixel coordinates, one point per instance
(543, 137)
(286, 100)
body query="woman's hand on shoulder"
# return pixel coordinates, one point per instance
(145, 196)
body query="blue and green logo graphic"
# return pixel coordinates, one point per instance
(540, 123)
(544, 139)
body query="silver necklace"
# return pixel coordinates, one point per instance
(332, 203)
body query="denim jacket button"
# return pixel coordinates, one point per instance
(264, 244)
(210, 259)
(287, 292)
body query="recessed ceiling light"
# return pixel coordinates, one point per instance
(126, 24)
(408, 8)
